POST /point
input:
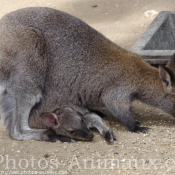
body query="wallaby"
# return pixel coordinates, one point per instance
(69, 123)
(46, 53)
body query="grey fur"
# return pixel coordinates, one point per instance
(94, 121)
(48, 53)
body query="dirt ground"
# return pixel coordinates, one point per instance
(122, 21)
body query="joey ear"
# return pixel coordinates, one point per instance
(166, 77)
(50, 119)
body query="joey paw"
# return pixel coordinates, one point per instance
(109, 136)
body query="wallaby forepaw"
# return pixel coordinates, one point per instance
(109, 137)
(139, 129)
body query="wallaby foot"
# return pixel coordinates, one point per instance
(15, 113)
(23, 80)
(29, 134)
(94, 121)
(41, 135)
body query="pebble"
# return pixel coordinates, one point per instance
(150, 14)
(95, 5)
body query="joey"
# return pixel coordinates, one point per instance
(66, 124)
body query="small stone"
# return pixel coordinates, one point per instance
(150, 13)
(95, 5)
(46, 155)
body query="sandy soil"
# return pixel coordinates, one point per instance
(152, 153)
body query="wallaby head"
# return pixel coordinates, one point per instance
(67, 122)
(167, 75)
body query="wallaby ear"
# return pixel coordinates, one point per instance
(50, 119)
(166, 77)
(171, 64)
(172, 61)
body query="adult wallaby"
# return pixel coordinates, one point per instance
(70, 121)
(47, 53)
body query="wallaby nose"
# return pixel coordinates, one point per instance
(90, 136)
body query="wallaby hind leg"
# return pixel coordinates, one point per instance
(15, 113)
(22, 78)
(121, 109)
(94, 121)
